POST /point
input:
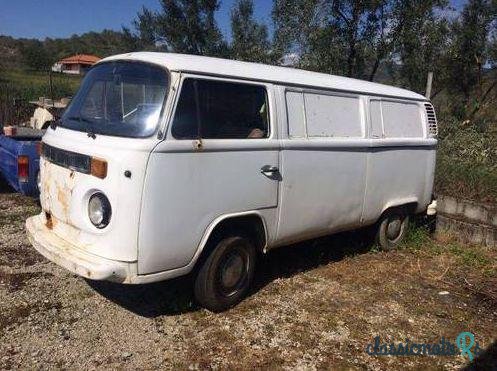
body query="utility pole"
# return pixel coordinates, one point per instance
(429, 81)
(51, 87)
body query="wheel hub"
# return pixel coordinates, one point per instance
(232, 271)
(394, 228)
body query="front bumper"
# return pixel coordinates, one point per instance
(74, 259)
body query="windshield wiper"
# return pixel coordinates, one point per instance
(54, 124)
(88, 122)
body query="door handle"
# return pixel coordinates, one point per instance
(269, 169)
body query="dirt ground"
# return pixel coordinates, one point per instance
(315, 305)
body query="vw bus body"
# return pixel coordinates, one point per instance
(162, 163)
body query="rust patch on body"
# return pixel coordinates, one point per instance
(62, 198)
(49, 221)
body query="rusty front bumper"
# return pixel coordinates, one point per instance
(72, 258)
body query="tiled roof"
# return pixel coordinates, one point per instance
(80, 59)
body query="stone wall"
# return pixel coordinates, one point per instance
(470, 221)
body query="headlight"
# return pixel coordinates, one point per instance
(99, 210)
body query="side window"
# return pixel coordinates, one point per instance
(401, 119)
(295, 114)
(213, 109)
(375, 117)
(332, 115)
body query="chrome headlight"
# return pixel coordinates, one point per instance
(99, 210)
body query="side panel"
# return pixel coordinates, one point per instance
(401, 160)
(398, 175)
(10, 150)
(186, 190)
(323, 177)
(188, 186)
(322, 188)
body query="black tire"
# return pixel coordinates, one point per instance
(225, 276)
(392, 229)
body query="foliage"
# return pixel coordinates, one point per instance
(356, 38)
(467, 159)
(35, 56)
(250, 39)
(40, 55)
(420, 40)
(468, 54)
(183, 26)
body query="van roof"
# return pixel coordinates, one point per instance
(263, 72)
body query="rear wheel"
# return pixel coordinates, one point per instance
(392, 230)
(225, 276)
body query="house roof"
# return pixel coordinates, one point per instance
(80, 59)
(261, 72)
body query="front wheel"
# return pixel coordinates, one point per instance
(392, 230)
(225, 276)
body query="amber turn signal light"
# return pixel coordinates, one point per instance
(98, 167)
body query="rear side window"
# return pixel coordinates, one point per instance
(295, 114)
(401, 119)
(376, 121)
(212, 109)
(332, 115)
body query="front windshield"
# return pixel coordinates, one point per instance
(118, 98)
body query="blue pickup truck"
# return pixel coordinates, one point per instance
(20, 160)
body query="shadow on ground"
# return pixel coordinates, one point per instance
(486, 360)
(5, 187)
(175, 296)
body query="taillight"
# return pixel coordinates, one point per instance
(23, 168)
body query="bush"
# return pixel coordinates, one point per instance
(467, 159)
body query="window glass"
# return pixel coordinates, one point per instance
(401, 119)
(221, 110)
(375, 116)
(332, 115)
(118, 98)
(295, 114)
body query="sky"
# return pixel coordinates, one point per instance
(63, 18)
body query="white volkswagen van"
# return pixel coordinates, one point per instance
(166, 164)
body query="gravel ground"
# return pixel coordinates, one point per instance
(315, 305)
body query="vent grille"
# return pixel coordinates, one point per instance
(432, 120)
(70, 160)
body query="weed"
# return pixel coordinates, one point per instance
(417, 238)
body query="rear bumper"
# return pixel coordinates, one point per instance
(432, 208)
(74, 259)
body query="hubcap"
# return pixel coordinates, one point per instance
(232, 272)
(394, 228)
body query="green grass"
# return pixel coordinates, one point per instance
(419, 241)
(33, 84)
